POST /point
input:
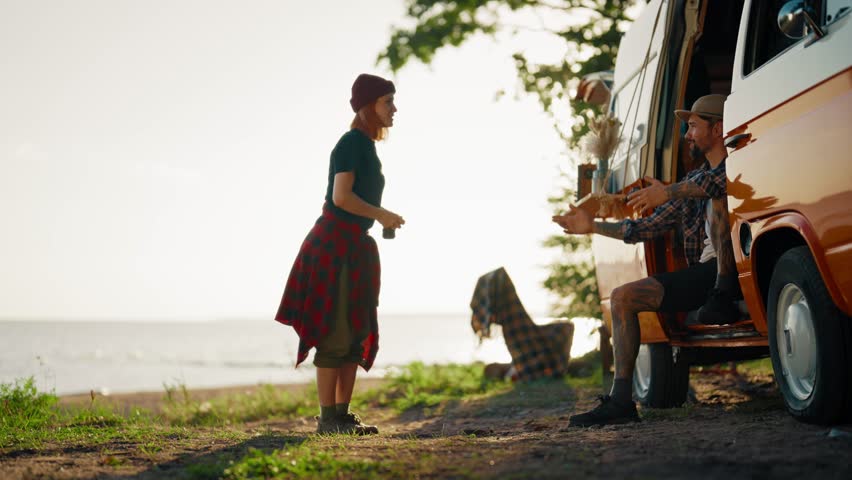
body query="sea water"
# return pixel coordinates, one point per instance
(122, 356)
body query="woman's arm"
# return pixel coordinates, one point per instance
(344, 198)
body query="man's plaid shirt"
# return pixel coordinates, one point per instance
(689, 214)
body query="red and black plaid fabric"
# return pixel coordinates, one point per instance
(537, 350)
(308, 301)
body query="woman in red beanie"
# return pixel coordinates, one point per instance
(332, 293)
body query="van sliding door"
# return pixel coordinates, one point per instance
(635, 94)
(635, 84)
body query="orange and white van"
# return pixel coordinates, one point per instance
(786, 67)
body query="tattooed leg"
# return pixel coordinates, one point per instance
(627, 301)
(721, 240)
(720, 307)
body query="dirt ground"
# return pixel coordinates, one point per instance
(734, 427)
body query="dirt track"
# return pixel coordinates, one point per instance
(735, 427)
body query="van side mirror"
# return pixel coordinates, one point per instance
(794, 16)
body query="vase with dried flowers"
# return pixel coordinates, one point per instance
(600, 144)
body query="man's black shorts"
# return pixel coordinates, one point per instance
(687, 289)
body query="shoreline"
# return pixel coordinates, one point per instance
(153, 400)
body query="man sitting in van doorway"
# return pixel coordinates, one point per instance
(687, 207)
(720, 305)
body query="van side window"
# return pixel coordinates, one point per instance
(764, 40)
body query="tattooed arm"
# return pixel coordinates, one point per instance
(701, 183)
(658, 193)
(610, 229)
(685, 189)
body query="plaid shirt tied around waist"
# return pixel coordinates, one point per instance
(689, 214)
(308, 301)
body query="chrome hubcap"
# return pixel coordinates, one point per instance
(796, 340)
(642, 371)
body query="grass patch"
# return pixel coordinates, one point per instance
(434, 387)
(125, 438)
(305, 462)
(761, 366)
(585, 371)
(586, 365)
(415, 385)
(23, 407)
(33, 421)
(266, 402)
(352, 457)
(30, 419)
(422, 386)
(204, 471)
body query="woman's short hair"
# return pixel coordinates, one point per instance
(368, 122)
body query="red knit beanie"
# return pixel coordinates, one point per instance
(367, 88)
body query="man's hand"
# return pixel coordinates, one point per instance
(649, 197)
(576, 221)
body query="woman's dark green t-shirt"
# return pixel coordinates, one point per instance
(355, 152)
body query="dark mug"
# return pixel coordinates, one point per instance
(388, 233)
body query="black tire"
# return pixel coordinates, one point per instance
(808, 341)
(660, 380)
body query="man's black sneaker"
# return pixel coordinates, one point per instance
(609, 412)
(719, 309)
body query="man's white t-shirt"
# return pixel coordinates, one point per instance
(709, 253)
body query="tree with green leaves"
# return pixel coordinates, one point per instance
(591, 31)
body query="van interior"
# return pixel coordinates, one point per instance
(709, 71)
(711, 65)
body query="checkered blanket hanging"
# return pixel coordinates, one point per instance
(537, 350)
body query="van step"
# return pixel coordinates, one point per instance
(746, 324)
(714, 332)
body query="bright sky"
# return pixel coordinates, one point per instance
(164, 160)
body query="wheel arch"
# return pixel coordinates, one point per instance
(777, 235)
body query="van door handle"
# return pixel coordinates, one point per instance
(734, 141)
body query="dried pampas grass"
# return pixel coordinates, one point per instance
(600, 144)
(603, 138)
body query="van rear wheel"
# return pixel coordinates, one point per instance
(808, 341)
(660, 380)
